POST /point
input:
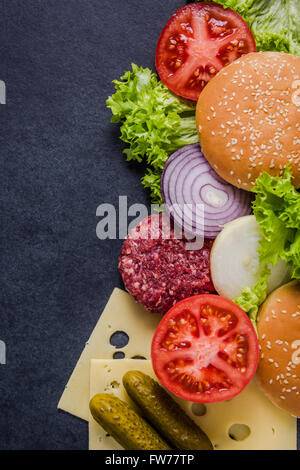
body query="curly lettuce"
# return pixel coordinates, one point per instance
(274, 23)
(252, 297)
(277, 210)
(154, 122)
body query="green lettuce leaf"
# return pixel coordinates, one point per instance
(251, 298)
(274, 23)
(154, 122)
(277, 210)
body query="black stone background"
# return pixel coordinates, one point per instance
(60, 159)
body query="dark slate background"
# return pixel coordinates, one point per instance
(60, 159)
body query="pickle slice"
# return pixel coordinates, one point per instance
(124, 424)
(164, 413)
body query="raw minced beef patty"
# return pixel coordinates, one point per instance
(160, 271)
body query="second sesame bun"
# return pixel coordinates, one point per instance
(248, 118)
(278, 326)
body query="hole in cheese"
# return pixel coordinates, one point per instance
(199, 409)
(239, 432)
(119, 339)
(118, 355)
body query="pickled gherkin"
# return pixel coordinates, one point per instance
(124, 424)
(164, 413)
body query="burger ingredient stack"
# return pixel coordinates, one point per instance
(205, 350)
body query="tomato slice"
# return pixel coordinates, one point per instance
(205, 349)
(197, 42)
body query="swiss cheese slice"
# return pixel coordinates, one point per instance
(270, 428)
(121, 313)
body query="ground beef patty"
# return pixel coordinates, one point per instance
(160, 271)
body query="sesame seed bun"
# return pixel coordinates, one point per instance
(248, 118)
(278, 372)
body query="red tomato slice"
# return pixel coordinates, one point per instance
(205, 349)
(197, 42)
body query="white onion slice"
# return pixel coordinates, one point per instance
(188, 182)
(234, 259)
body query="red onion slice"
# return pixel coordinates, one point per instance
(189, 183)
